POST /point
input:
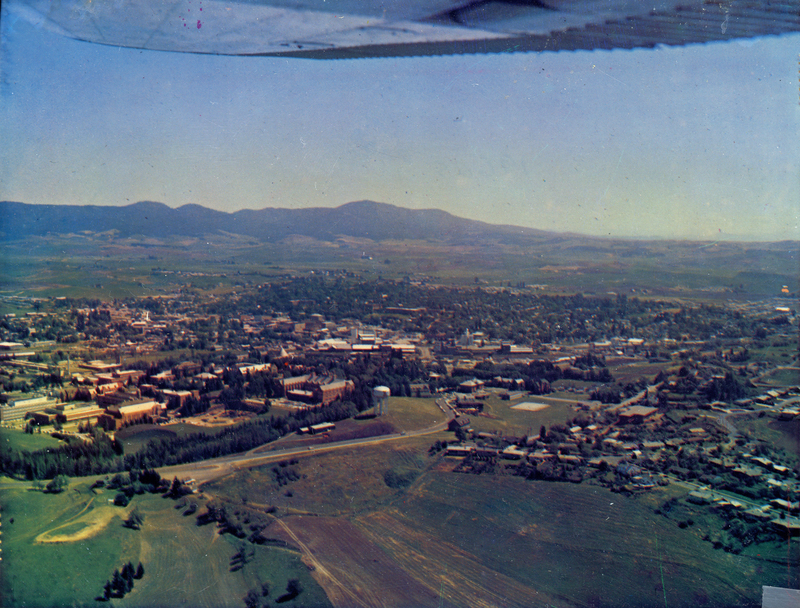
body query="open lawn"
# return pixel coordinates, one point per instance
(500, 416)
(625, 371)
(184, 564)
(338, 482)
(781, 377)
(134, 438)
(783, 435)
(411, 414)
(17, 439)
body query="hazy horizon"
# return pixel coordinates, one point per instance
(639, 237)
(695, 142)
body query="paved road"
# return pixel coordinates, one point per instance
(215, 468)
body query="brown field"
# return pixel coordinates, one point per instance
(83, 527)
(462, 580)
(351, 569)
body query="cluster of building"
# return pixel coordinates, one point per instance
(311, 389)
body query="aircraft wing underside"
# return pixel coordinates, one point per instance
(331, 29)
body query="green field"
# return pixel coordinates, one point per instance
(781, 378)
(17, 439)
(134, 438)
(410, 414)
(572, 545)
(338, 482)
(185, 564)
(580, 543)
(500, 416)
(783, 435)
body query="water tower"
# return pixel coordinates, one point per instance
(380, 398)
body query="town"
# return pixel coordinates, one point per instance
(630, 393)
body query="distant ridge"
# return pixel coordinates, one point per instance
(378, 222)
(360, 219)
(427, 239)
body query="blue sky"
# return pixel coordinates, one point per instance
(696, 142)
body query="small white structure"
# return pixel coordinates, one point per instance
(380, 397)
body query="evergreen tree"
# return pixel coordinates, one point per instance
(118, 583)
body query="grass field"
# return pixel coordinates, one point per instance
(781, 378)
(579, 543)
(780, 434)
(500, 416)
(339, 482)
(410, 414)
(497, 540)
(632, 372)
(17, 439)
(185, 564)
(134, 438)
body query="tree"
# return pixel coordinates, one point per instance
(59, 484)
(127, 576)
(294, 588)
(251, 600)
(139, 571)
(175, 489)
(135, 520)
(118, 583)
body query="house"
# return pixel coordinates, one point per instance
(16, 410)
(471, 386)
(117, 416)
(636, 414)
(459, 422)
(328, 393)
(788, 527)
(513, 452)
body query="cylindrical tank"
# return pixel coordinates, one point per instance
(380, 397)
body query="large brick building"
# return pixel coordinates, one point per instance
(316, 390)
(118, 416)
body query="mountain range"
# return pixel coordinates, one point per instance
(389, 231)
(430, 232)
(361, 219)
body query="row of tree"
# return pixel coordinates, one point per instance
(121, 582)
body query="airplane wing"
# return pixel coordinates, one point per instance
(336, 29)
